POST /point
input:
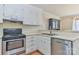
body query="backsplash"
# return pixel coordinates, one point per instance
(1, 25)
(30, 29)
(66, 23)
(7, 24)
(25, 28)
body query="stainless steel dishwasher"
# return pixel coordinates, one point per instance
(61, 47)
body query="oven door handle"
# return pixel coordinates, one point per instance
(14, 40)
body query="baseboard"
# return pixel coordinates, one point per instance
(34, 52)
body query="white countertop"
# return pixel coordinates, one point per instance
(65, 36)
(71, 37)
(60, 34)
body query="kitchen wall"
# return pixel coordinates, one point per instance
(43, 24)
(66, 23)
(46, 16)
(8, 24)
(27, 29)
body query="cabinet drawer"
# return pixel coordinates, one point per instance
(30, 40)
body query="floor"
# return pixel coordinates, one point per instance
(33, 53)
(36, 53)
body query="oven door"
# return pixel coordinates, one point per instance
(13, 46)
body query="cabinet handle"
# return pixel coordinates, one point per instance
(62, 43)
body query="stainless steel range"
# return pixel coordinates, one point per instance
(13, 41)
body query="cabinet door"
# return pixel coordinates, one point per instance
(27, 15)
(19, 12)
(32, 15)
(9, 11)
(36, 15)
(13, 12)
(45, 45)
(1, 13)
(30, 44)
(76, 47)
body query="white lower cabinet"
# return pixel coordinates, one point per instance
(76, 47)
(51, 46)
(44, 45)
(0, 46)
(30, 44)
(40, 43)
(0, 49)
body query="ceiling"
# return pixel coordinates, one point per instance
(60, 9)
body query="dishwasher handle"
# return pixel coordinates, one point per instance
(62, 43)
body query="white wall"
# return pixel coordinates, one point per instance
(46, 15)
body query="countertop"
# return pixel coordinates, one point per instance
(71, 38)
(65, 36)
(61, 35)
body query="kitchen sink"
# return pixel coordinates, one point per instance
(53, 34)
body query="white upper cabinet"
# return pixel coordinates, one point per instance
(1, 13)
(13, 12)
(32, 15)
(19, 12)
(9, 11)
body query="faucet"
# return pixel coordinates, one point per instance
(52, 33)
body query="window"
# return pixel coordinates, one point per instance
(75, 26)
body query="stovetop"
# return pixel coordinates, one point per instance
(12, 33)
(15, 36)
